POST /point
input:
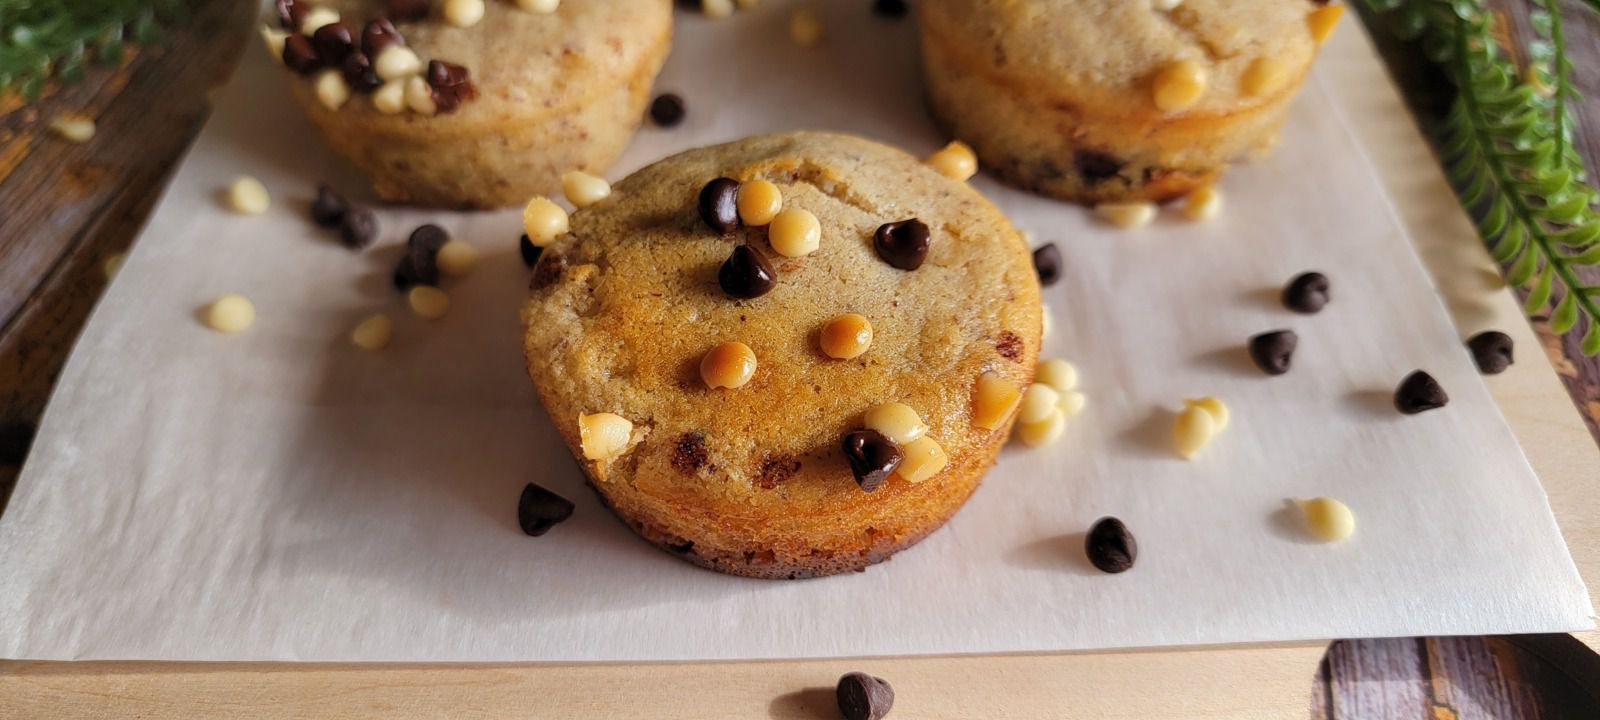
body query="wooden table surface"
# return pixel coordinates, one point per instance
(65, 209)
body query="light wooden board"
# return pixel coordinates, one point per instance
(1196, 684)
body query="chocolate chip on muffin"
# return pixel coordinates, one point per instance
(746, 274)
(903, 244)
(719, 204)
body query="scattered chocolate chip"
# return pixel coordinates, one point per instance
(333, 42)
(328, 209)
(300, 55)
(547, 272)
(1047, 262)
(1009, 345)
(1272, 351)
(1419, 392)
(359, 74)
(863, 697)
(719, 205)
(689, 453)
(747, 274)
(379, 34)
(404, 10)
(530, 251)
(290, 13)
(889, 8)
(872, 457)
(1095, 166)
(358, 228)
(1306, 293)
(902, 244)
(450, 84)
(420, 264)
(539, 510)
(1110, 546)
(667, 110)
(1491, 350)
(775, 470)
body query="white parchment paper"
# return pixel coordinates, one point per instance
(280, 495)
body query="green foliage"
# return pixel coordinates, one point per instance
(44, 38)
(1509, 151)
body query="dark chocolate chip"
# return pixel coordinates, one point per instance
(539, 510)
(1491, 350)
(404, 10)
(1419, 392)
(359, 74)
(530, 251)
(449, 84)
(328, 209)
(1047, 262)
(1110, 546)
(1009, 345)
(872, 457)
(747, 274)
(667, 110)
(300, 55)
(1272, 351)
(428, 238)
(359, 228)
(719, 205)
(889, 8)
(902, 244)
(1095, 166)
(1306, 293)
(863, 697)
(333, 41)
(552, 267)
(379, 34)
(689, 453)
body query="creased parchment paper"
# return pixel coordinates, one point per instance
(280, 495)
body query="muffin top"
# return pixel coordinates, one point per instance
(1103, 57)
(525, 65)
(623, 308)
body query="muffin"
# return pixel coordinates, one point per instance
(473, 103)
(754, 478)
(1122, 101)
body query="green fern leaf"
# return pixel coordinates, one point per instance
(1523, 269)
(1566, 314)
(1540, 295)
(1510, 244)
(1591, 339)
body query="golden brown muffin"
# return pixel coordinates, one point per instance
(1061, 96)
(752, 480)
(553, 92)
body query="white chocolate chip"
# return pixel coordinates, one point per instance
(1072, 402)
(1327, 519)
(273, 39)
(1058, 374)
(1203, 203)
(1043, 432)
(583, 189)
(429, 303)
(795, 233)
(419, 97)
(994, 398)
(230, 313)
(397, 62)
(1192, 430)
(316, 18)
(1038, 403)
(544, 221)
(463, 13)
(457, 258)
(1215, 407)
(1126, 215)
(897, 421)
(603, 435)
(331, 89)
(716, 8)
(390, 98)
(1049, 323)
(247, 196)
(955, 161)
(373, 333)
(922, 459)
(72, 128)
(543, 7)
(805, 28)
